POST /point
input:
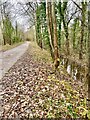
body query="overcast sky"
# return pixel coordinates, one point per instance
(23, 21)
(15, 13)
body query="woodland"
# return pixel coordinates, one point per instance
(52, 79)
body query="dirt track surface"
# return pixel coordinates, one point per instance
(9, 58)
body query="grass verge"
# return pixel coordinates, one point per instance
(40, 54)
(8, 47)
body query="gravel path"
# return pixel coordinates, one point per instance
(7, 60)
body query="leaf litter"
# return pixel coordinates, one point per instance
(31, 91)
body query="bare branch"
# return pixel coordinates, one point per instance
(77, 5)
(72, 16)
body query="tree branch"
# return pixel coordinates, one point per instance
(77, 5)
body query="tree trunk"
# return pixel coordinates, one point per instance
(74, 32)
(36, 28)
(49, 25)
(16, 28)
(41, 37)
(88, 78)
(82, 31)
(65, 25)
(59, 32)
(67, 41)
(51, 22)
(56, 54)
(4, 40)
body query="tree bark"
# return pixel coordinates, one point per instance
(59, 32)
(65, 24)
(82, 30)
(88, 78)
(74, 33)
(49, 25)
(41, 37)
(36, 28)
(16, 28)
(56, 54)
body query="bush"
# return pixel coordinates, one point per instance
(16, 39)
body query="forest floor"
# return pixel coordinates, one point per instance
(31, 90)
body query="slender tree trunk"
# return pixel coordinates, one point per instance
(3, 32)
(16, 29)
(51, 22)
(85, 31)
(82, 31)
(37, 25)
(74, 33)
(59, 32)
(67, 41)
(88, 78)
(4, 37)
(4, 40)
(36, 28)
(66, 34)
(56, 54)
(10, 42)
(49, 25)
(41, 37)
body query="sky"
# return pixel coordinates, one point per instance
(22, 21)
(15, 13)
